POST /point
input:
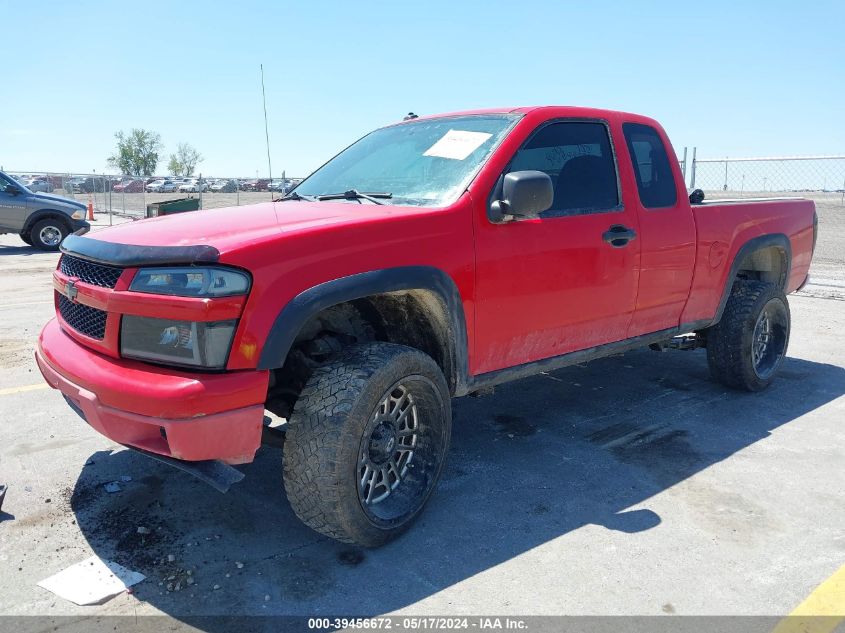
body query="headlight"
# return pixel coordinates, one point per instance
(191, 282)
(200, 344)
(174, 342)
(78, 215)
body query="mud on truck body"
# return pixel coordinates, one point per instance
(432, 259)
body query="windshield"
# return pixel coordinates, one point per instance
(426, 163)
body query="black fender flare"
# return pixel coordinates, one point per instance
(296, 313)
(43, 214)
(778, 240)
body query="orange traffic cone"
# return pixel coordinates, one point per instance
(90, 209)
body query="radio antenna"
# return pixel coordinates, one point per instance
(266, 129)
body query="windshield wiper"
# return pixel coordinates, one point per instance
(295, 196)
(354, 194)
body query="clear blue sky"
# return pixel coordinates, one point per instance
(735, 79)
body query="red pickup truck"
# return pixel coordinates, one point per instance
(431, 259)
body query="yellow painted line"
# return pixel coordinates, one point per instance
(822, 611)
(11, 390)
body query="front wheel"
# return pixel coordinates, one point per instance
(47, 235)
(746, 348)
(367, 442)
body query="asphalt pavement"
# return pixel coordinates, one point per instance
(629, 486)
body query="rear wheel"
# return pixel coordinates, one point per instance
(367, 441)
(47, 234)
(746, 348)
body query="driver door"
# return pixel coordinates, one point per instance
(12, 207)
(559, 283)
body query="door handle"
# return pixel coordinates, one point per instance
(619, 235)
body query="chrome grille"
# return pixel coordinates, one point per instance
(84, 319)
(89, 272)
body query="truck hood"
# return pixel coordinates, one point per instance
(235, 227)
(55, 201)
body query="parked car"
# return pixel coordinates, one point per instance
(281, 185)
(224, 186)
(42, 220)
(91, 184)
(193, 186)
(501, 249)
(256, 184)
(72, 185)
(130, 186)
(40, 185)
(161, 186)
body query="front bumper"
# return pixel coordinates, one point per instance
(80, 227)
(179, 414)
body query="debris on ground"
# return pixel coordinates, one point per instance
(92, 581)
(112, 486)
(142, 530)
(2, 494)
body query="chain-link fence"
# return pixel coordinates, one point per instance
(129, 196)
(821, 176)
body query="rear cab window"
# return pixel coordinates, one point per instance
(652, 169)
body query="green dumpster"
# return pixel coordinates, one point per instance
(167, 207)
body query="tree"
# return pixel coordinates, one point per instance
(184, 161)
(137, 152)
(174, 166)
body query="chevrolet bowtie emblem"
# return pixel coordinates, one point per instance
(71, 291)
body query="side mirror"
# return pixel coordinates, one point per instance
(696, 197)
(525, 194)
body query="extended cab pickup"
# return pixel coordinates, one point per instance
(433, 258)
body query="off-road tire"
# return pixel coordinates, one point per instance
(36, 235)
(730, 341)
(332, 428)
(26, 238)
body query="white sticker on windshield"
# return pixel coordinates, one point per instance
(457, 144)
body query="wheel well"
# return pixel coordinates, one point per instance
(416, 318)
(46, 215)
(769, 264)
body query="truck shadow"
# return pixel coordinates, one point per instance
(23, 249)
(539, 459)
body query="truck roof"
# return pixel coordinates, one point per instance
(559, 110)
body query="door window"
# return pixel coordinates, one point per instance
(578, 157)
(7, 182)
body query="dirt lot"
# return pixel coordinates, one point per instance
(134, 205)
(633, 485)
